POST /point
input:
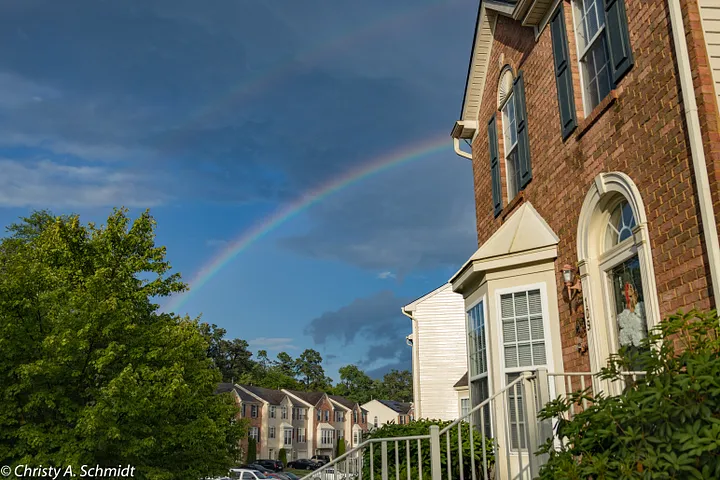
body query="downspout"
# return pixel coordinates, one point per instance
(456, 144)
(416, 360)
(707, 215)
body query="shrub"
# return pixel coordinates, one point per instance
(664, 426)
(422, 427)
(340, 447)
(282, 456)
(252, 450)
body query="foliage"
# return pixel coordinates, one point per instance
(355, 384)
(312, 374)
(396, 385)
(665, 426)
(91, 372)
(340, 448)
(252, 451)
(282, 456)
(422, 427)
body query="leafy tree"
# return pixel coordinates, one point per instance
(286, 365)
(263, 360)
(340, 448)
(664, 426)
(282, 456)
(422, 427)
(397, 385)
(310, 369)
(252, 451)
(91, 372)
(355, 384)
(231, 357)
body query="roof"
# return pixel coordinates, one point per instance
(410, 307)
(229, 387)
(343, 401)
(224, 388)
(463, 382)
(310, 397)
(274, 397)
(399, 407)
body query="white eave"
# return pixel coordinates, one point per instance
(530, 13)
(412, 306)
(525, 237)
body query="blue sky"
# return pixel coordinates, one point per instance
(216, 114)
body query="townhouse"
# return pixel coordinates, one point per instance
(593, 131)
(304, 424)
(382, 412)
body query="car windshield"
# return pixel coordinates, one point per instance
(260, 475)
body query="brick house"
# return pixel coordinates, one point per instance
(594, 135)
(249, 407)
(355, 420)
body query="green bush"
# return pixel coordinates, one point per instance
(422, 427)
(282, 456)
(252, 450)
(340, 450)
(665, 426)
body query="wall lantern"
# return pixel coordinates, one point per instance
(572, 281)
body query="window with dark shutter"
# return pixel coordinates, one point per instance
(495, 167)
(563, 73)
(523, 150)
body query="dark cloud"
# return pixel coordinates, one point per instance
(404, 364)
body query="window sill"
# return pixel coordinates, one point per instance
(597, 112)
(514, 203)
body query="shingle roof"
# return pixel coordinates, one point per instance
(229, 387)
(399, 407)
(463, 382)
(224, 388)
(246, 397)
(343, 401)
(310, 397)
(274, 397)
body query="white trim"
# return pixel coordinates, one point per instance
(297, 398)
(546, 19)
(594, 262)
(486, 320)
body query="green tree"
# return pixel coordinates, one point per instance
(310, 369)
(252, 451)
(340, 449)
(92, 372)
(286, 364)
(282, 456)
(355, 384)
(663, 426)
(231, 357)
(397, 385)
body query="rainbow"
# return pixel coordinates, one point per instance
(249, 237)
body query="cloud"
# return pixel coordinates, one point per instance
(375, 321)
(273, 344)
(44, 182)
(404, 364)
(385, 275)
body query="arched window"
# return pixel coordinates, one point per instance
(618, 280)
(506, 105)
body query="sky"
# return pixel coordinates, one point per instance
(234, 116)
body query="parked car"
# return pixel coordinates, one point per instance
(291, 476)
(303, 464)
(278, 475)
(247, 474)
(258, 467)
(321, 459)
(274, 465)
(329, 474)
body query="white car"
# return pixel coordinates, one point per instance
(245, 474)
(330, 474)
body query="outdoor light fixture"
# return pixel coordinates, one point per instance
(569, 276)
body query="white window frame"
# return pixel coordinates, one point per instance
(283, 412)
(488, 360)
(254, 411)
(549, 353)
(325, 435)
(465, 410)
(509, 149)
(375, 422)
(271, 432)
(301, 435)
(254, 433)
(356, 438)
(272, 411)
(582, 53)
(287, 439)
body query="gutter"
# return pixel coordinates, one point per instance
(416, 381)
(456, 145)
(707, 215)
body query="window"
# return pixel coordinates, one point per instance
(339, 416)
(326, 437)
(254, 411)
(287, 436)
(298, 413)
(272, 411)
(254, 433)
(523, 341)
(271, 432)
(464, 407)
(402, 420)
(341, 433)
(271, 454)
(355, 416)
(319, 415)
(327, 415)
(301, 435)
(510, 138)
(356, 438)
(375, 422)
(283, 412)
(603, 45)
(244, 410)
(477, 348)
(364, 417)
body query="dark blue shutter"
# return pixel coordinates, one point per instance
(495, 167)
(618, 39)
(563, 73)
(523, 142)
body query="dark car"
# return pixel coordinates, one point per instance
(321, 459)
(274, 465)
(256, 467)
(303, 464)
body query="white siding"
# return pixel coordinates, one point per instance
(384, 413)
(441, 353)
(710, 14)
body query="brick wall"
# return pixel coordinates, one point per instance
(641, 132)
(254, 422)
(323, 406)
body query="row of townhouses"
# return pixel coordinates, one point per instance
(305, 424)
(593, 131)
